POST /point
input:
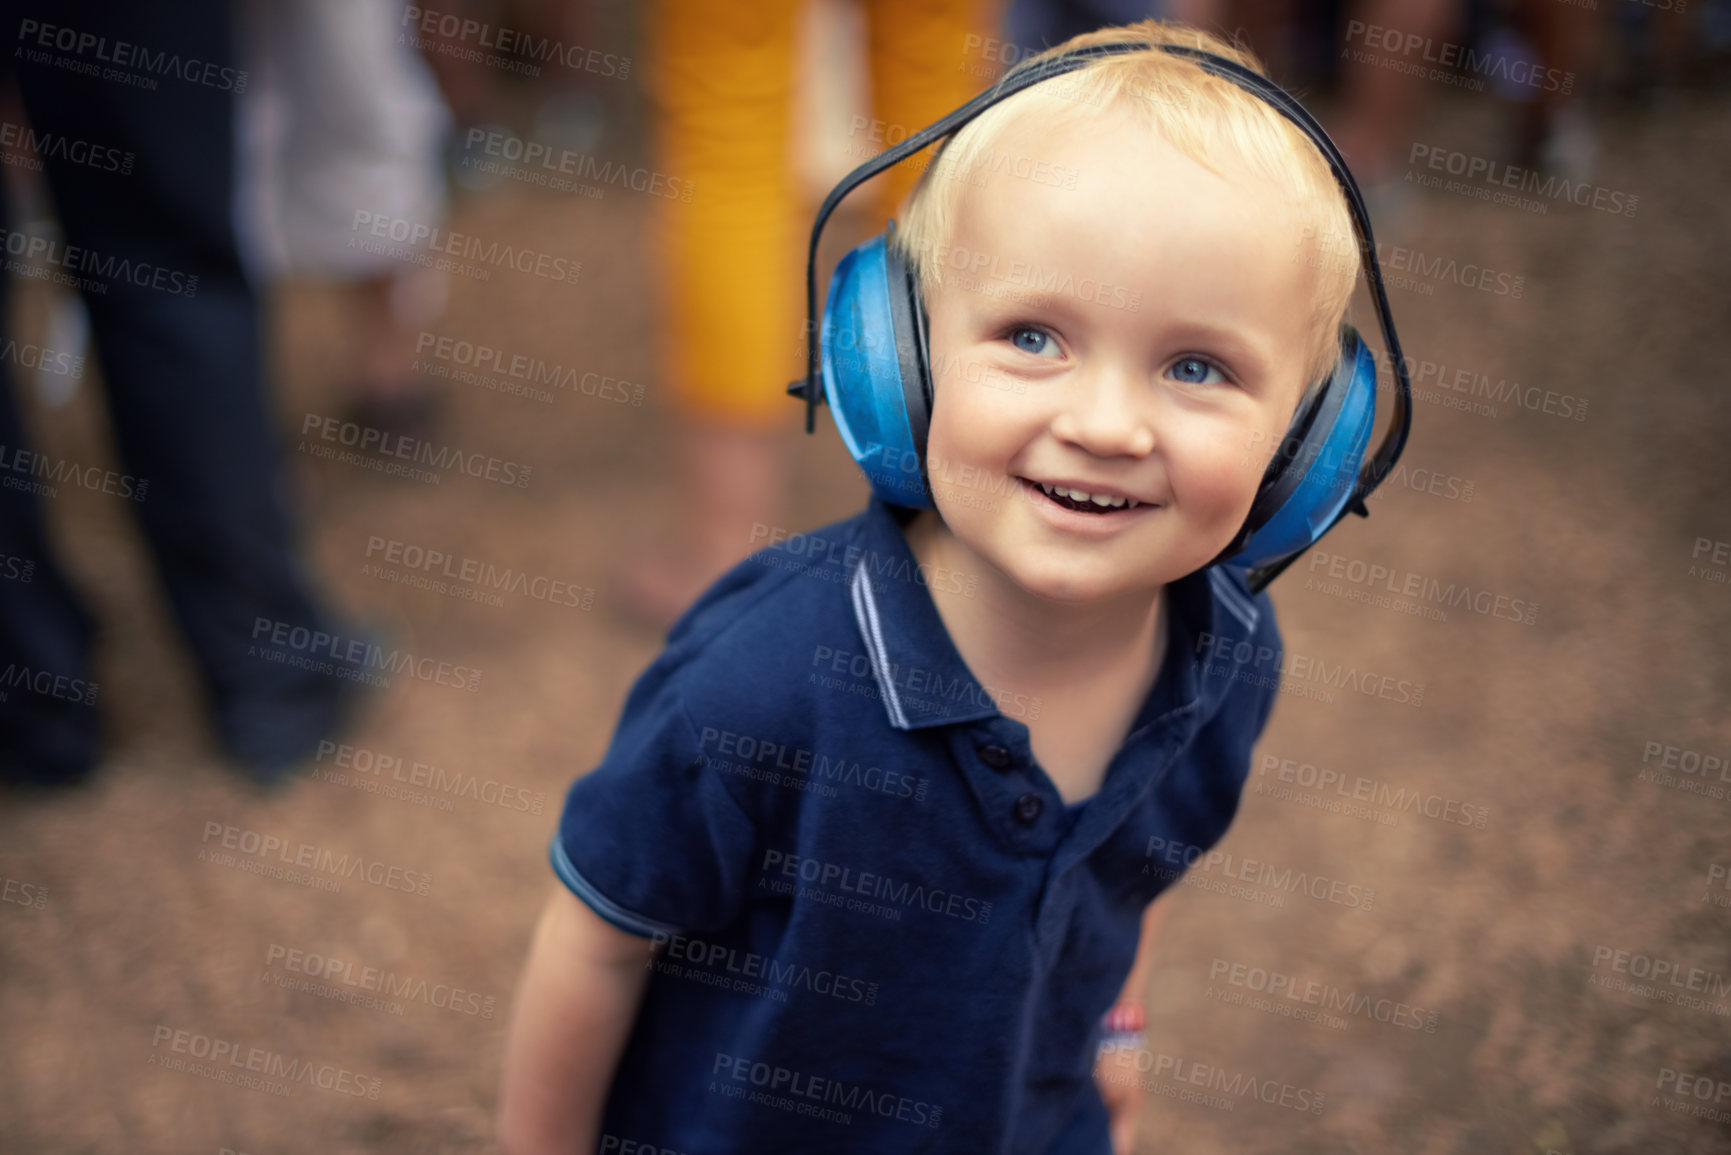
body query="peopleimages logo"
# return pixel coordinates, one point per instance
(1685, 769)
(544, 165)
(341, 979)
(1320, 250)
(471, 362)
(47, 683)
(1644, 966)
(765, 759)
(1169, 860)
(517, 47)
(424, 240)
(33, 895)
(1240, 660)
(1329, 997)
(35, 147)
(255, 845)
(1480, 65)
(825, 877)
(364, 768)
(1525, 180)
(351, 658)
(732, 968)
(367, 439)
(237, 1061)
(1339, 794)
(839, 560)
(1453, 387)
(408, 560)
(1390, 587)
(971, 264)
(60, 263)
(28, 356)
(853, 672)
(96, 51)
(1233, 1087)
(800, 1092)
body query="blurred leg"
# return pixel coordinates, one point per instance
(1034, 25)
(923, 65)
(48, 725)
(730, 262)
(1557, 134)
(1269, 28)
(176, 330)
(722, 89)
(1382, 105)
(362, 128)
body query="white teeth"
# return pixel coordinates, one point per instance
(1100, 500)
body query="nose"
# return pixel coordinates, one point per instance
(1108, 411)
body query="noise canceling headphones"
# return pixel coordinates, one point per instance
(876, 367)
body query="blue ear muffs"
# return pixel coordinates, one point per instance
(877, 381)
(876, 375)
(1315, 469)
(876, 367)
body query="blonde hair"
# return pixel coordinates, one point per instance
(1195, 112)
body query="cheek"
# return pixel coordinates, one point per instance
(950, 452)
(957, 456)
(1222, 465)
(975, 440)
(974, 422)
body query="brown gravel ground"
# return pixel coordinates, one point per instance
(1494, 930)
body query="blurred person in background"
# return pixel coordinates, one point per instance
(176, 328)
(1035, 25)
(342, 115)
(1379, 54)
(534, 76)
(722, 83)
(1379, 104)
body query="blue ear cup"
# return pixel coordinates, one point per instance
(875, 370)
(1316, 466)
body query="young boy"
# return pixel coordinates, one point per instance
(868, 859)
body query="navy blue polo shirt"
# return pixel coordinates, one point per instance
(881, 929)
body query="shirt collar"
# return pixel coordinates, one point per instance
(922, 678)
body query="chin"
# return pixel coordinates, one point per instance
(1063, 584)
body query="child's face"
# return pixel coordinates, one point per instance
(1142, 333)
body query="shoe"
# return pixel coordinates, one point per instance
(407, 412)
(275, 732)
(60, 752)
(30, 772)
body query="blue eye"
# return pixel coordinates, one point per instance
(1196, 371)
(1035, 341)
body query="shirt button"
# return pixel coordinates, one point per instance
(997, 757)
(1028, 809)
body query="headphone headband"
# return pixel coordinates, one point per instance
(1031, 73)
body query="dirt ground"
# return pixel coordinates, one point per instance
(1545, 965)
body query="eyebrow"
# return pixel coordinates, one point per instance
(1009, 296)
(1014, 300)
(1247, 356)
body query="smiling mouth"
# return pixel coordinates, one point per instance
(1099, 507)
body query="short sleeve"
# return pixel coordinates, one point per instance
(1222, 747)
(1267, 640)
(650, 839)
